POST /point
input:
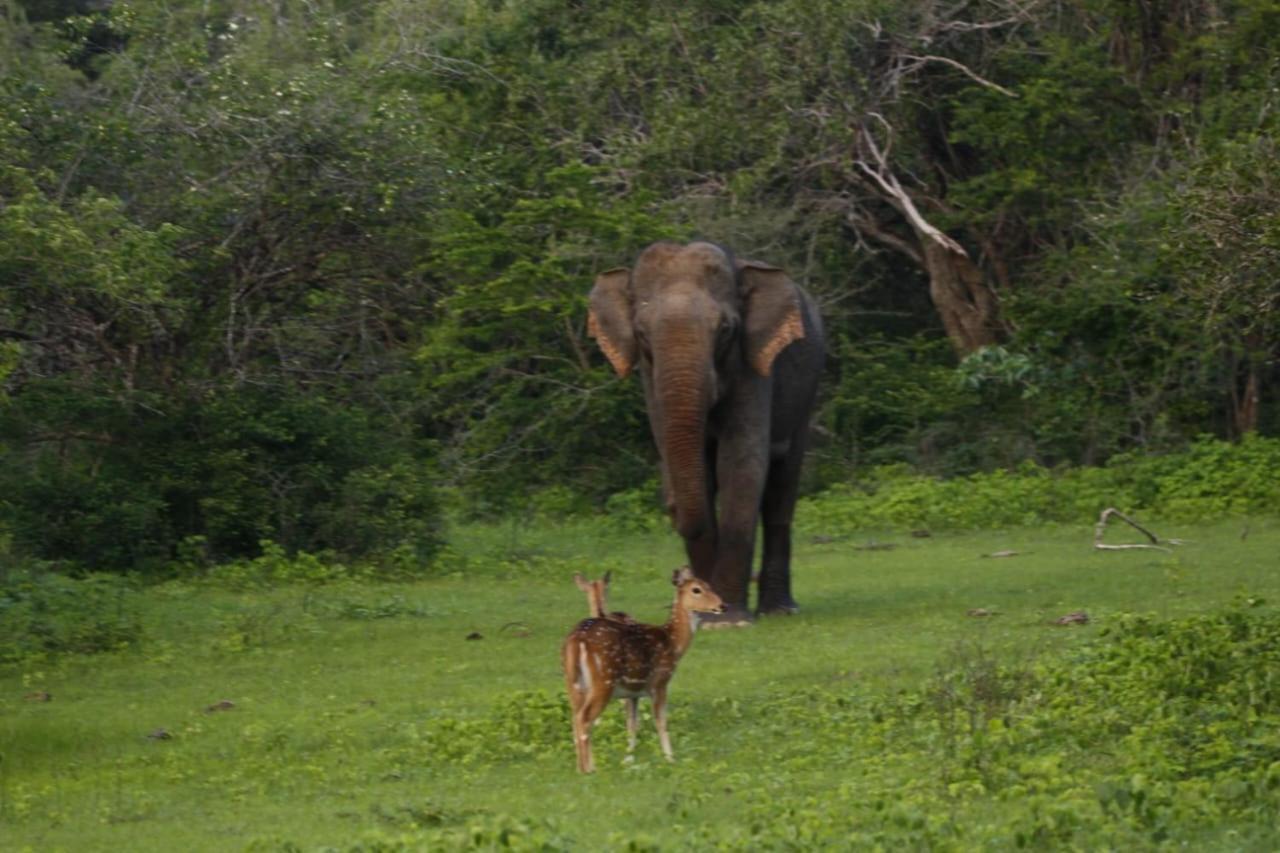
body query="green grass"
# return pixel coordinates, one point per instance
(364, 717)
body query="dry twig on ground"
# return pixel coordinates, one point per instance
(1100, 528)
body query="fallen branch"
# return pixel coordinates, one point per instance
(1100, 528)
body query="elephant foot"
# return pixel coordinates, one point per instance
(778, 607)
(732, 617)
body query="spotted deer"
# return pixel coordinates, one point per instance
(606, 658)
(598, 597)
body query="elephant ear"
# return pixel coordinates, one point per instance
(771, 305)
(609, 319)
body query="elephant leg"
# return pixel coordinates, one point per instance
(701, 553)
(742, 468)
(775, 571)
(776, 511)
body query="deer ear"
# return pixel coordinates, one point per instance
(607, 576)
(680, 575)
(772, 313)
(609, 319)
(582, 582)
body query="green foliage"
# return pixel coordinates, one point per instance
(507, 367)
(526, 725)
(146, 483)
(1072, 108)
(1209, 480)
(274, 567)
(892, 402)
(175, 394)
(637, 510)
(45, 614)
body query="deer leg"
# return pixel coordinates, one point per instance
(582, 741)
(577, 696)
(633, 707)
(592, 707)
(660, 720)
(578, 699)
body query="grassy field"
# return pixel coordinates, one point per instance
(430, 715)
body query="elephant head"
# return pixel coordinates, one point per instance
(698, 325)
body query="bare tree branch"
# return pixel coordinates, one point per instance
(966, 70)
(868, 227)
(896, 195)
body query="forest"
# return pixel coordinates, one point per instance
(312, 274)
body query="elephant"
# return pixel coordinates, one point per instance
(729, 352)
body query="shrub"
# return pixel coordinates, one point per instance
(1209, 480)
(143, 478)
(636, 510)
(275, 567)
(42, 613)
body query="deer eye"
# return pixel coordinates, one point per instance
(697, 590)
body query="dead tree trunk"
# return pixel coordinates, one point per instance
(964, 301)
(1246, 404)
(958, 288)
(1246, 394)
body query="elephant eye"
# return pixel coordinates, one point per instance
(724, 335)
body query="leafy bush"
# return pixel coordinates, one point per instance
(275, 567)
(169, 485)
(636, 510)
(43, 613)
(1209, 480)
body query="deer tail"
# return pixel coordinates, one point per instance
(577, 675)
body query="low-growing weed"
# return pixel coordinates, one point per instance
(973, 695)
(256, 625)
(363, 602)
(525, 725)
(384, 607)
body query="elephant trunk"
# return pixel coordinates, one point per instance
(685, 453)
(685, 395)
